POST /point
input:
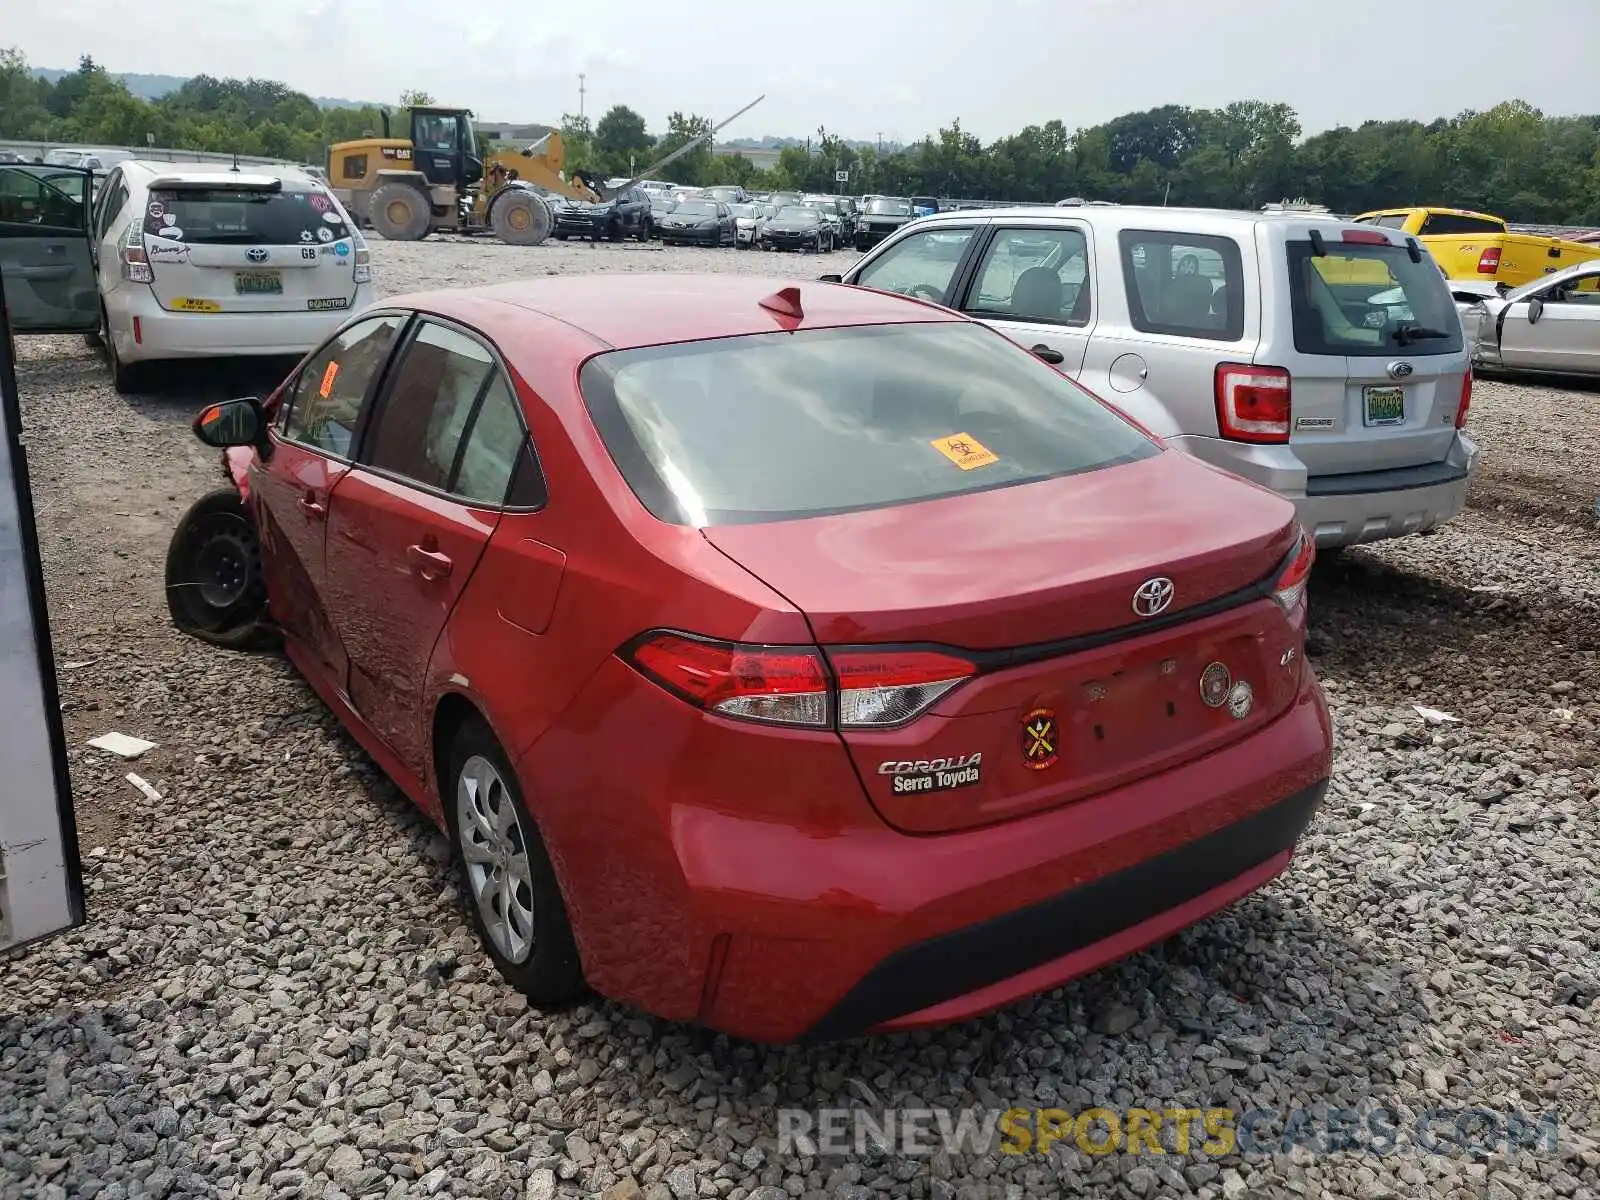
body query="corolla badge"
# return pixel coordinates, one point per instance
(1153, 596)
(256, 254)
(1400, 370)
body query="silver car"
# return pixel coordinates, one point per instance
(1551, 325)
(1319, 358)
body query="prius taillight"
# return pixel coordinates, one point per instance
(135, 262)
(851, 687)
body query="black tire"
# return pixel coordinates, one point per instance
(215, 589)
(646, 228)
(861, 245)
(550, 974)
(614, 231)
(519, 218)
(560, 237)
(400, 213)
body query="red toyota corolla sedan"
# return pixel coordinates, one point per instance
(799, 661)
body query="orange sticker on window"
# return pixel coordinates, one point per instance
(328, 377)
(965, 451)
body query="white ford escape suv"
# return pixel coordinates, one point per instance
(1317, 357)
(200, 260)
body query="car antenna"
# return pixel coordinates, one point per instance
(785, 302)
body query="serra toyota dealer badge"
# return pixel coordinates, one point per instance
(1041, 740)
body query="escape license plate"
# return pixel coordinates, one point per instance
(258, 283)
(1385, 405)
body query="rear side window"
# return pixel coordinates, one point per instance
(495, 442)
(1184, 284)
(778, 426)
(328, 395)
(1358, 299)
(421, 421)
(1449, 223)
(219, 216)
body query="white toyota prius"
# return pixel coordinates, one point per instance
(201, 260)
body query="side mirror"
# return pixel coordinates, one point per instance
(830, 278)
(232, 423)
(1535, 310)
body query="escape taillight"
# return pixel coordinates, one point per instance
(1252, 403)
(855, 687)
(1466, 400)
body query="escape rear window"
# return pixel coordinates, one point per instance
(779, 426)
(227, 217)
(1366, 300)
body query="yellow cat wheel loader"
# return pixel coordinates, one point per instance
(433, 181)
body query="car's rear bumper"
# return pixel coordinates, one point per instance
(790, 912)
(162, 334)
(1347, 509)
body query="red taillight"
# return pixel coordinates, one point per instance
(791, 685)
(784, 684)
(881, 688)
(1367, 237)
(1489, 261)
(1252, 403)
(1290, 589)
(1466, 400)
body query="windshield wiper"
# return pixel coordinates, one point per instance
(1407, 334)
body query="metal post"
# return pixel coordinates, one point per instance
(582, 91)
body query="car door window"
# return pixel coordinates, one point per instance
(1038, 275)
(921, 265)
(496, 449)
(419, 425)
(327, 396)
(44, 200)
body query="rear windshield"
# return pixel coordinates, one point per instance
(889, 208)
(218, 216)
(1448, 223)
(1359, 299)
(696, 208)
(780, 426)
(804, 214)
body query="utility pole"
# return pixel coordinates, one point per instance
(582, 90)
(880, 142)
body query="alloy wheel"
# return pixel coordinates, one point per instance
(495, 848)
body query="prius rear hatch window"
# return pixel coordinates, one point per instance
(235, 217)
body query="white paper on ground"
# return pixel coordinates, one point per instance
(122, 745)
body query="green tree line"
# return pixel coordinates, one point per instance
(1510, 159)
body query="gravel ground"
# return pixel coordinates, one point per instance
(278, 993)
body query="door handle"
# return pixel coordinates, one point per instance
(1048, 355)
(314, 509)
(430, 564)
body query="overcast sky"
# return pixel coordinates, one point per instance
(859, 67)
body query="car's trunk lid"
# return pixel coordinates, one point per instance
(1038, 582)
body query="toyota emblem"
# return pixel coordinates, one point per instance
(1153, 596)
(256, 254)
(1400, 370)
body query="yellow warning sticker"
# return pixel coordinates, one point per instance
(328, 377)
(185, 304)
(965, 451)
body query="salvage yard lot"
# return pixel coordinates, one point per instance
(279, 994)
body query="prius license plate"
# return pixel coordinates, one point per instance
(1384, 405)
(258, 283)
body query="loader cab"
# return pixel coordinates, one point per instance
(445, 147)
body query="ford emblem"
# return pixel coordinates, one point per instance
(1400, 370)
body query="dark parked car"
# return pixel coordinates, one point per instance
(625, 215)
(662, 205)
(881, 217)
(702, 222)
(798, 227)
